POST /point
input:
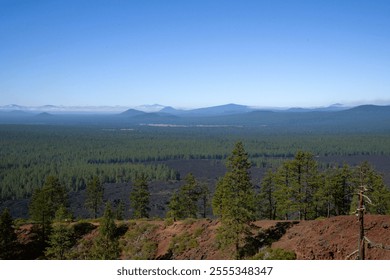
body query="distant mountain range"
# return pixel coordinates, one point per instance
(227, 109)
(335, 118)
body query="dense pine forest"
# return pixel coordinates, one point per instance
(76, 154)
(261, 175)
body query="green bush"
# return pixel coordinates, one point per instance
(183, 242)
(168, 222)
(136, 244)
(275, 254)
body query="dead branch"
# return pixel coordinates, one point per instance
(350, 255)
(371, 244)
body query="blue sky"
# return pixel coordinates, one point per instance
(194, 53)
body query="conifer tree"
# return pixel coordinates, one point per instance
(234, 201)
(283, 191)
(61, 238)
(45, 202)
(189, 194)
(184, 203)
(94, 198)
(336, 191)
(204, 197)
(60, 242)
(296, 184)
(140, 198)
(266, 196)
(216, 202)
(365, 175)
(8, 237)
(119, 211)
(106, 245)
(305, 183)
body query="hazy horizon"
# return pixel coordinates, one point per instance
(158, 107)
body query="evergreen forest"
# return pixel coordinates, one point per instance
(274, 176)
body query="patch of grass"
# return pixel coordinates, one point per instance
(20, 222)
(183, 242)
(189, 221)
(275, 254)
(198, 232)
(136, 244)
(168, 222)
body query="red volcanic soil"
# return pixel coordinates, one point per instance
(327, 239)
(336, 238)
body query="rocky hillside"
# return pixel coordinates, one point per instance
(333, 238)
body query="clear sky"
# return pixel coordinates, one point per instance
(195, 53)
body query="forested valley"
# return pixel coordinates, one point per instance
(63, 175)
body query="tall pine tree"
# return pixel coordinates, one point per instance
(7, 236)
(106, 244)
(140, 198)
(234, 200)
(94, 199)
(44, 204)
(266, 197)
(184, 202)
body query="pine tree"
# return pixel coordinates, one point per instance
(44, 204)
(305, 178)
(106, 245)
(119, 211)
(184, 203)
(266, 196)
(296, 183)
(140, 198)
(283, 191)
(234, 201)
(94, 198)
(204, 197)
(175, 207)
(216, 201)
(365, 175)
(323, 198)
(189, 194)
(336, 191)
(8, 237)
(60, 240)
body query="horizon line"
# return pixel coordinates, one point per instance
(158, 107)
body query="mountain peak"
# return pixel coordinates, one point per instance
(150, 108)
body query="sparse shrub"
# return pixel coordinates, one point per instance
(275, 254)
(183, 242)
(82, 251)
(168, 222)
(198, 232)
(189, 221)
(136, 244)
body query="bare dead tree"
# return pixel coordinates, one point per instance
(360, 213)
(363, 240)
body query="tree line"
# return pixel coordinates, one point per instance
(75, 154)
(297, 189)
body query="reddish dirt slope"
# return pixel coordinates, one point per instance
(336, 238)
(333, 238)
